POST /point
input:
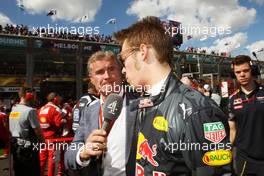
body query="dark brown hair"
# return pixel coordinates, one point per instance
(241, 59)
(149, 31)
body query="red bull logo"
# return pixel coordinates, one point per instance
(145, 151)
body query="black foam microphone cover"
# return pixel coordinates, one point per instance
(111, 110)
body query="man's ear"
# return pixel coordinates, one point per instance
(143, 48)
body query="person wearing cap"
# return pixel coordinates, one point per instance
(246, 120)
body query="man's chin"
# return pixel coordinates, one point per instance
(244, 83)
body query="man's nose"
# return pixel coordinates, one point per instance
(242, 74)
(106, 74)
(123, 70)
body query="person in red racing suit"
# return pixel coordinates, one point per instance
(4, 134)
(51, 122)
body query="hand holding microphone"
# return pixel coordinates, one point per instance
(95, 144)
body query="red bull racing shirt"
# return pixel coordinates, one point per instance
(181, 132)
(248, 113)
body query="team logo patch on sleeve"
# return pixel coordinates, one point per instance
(214, 132)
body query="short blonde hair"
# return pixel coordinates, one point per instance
(100, 55)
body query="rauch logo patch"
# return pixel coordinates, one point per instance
(217, 157)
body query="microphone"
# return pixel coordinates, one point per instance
(111, 110)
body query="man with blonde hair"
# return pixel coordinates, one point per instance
(104, 73)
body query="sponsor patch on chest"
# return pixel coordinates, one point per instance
(214, 132)
(160, 123)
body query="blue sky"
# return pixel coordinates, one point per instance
(244, 17)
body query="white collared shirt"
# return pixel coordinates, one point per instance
(114, 160)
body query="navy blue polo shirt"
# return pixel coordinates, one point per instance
(248, 113)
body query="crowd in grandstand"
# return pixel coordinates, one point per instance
(24, 30)
(101, 38)
(54, 122)
(203, 51)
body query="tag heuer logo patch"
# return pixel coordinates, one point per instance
(214, 132)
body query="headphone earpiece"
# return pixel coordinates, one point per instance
(255, 71)
(29, 96)
(56, 100)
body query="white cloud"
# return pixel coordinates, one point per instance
(4, 19)
(201, 13)
(66, 10)
(260, 2)
(258, 48)
(228, 44)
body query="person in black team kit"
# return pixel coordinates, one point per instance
(179, 131)
(246, 119)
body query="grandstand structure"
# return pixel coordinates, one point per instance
(46, 63)
(60, 64)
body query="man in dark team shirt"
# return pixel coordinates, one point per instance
(179, 130)
(246, 119)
